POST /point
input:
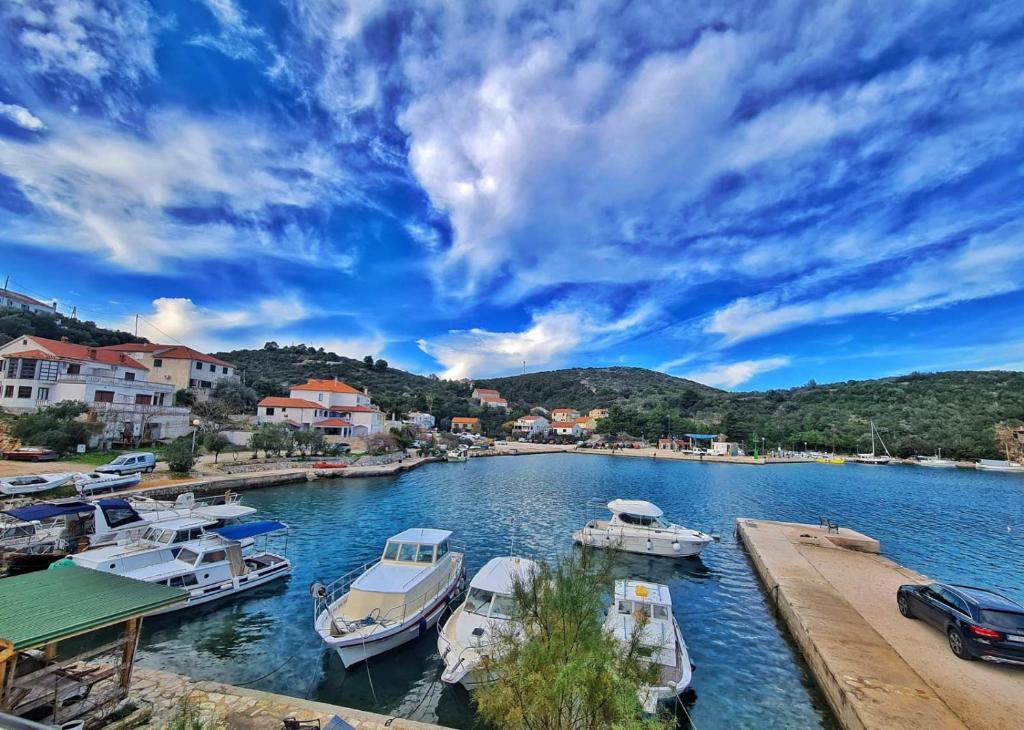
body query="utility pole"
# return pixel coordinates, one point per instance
(524, 367)
(7, 281)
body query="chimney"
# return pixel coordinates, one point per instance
(64, 338)
(92, 353)
(366, 391)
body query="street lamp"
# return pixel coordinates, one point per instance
(762, 447)
(196, 423)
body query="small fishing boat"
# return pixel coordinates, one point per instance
(209, 567)
(999, 465)
(31, 453)
(329, 465)
(470, 635)
(833, 459)
(457, 457)
(97, 483)
(33, 483)
(637, 526)
(646, 608)
(394, 600)
(936, 462)
(224, 510)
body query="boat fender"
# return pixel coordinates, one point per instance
(649, 544)
(675, 546)
(317, 590)
(422, 627)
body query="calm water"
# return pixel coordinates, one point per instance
(949, 524)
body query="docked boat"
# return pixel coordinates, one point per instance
(646, 608)
(833, 459)
(1007, 466)
(874, 459)
(394, 600)
(457, 457)
(33, 483)
(471, 634)
(936, 462)
(637, 526)
(210, 567)
(97, 483)
(224, 510)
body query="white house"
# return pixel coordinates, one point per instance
(493, 402)
(182, 367)
(564, 414)
(481, 393)
(567, 428)
(318, 400)
(127, 407)
(423, 421)
(531, 426)
(26, 303)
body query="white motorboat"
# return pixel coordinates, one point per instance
(874, 459)
(936, 462)
(637, 526)
(457, 457)
(210, 567)
(224, 510)
(646, 608)
(33, 483)
(392, 601)
(1000, 465)
(94, 483)
(471, 633)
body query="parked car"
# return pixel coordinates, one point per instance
(138, 461)
(978, 623)
(31, 453)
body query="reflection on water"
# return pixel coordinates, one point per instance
(747, 676)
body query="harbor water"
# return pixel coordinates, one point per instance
(950, 524)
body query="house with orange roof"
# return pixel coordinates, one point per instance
(316, 401)
(129, 406)
(566, 428)
(180, 366)
(24, 302)
(530, 426)
(465, 424)
(481, 393)
(564, 414)
(493, 402)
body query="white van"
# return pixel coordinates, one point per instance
(137, 461)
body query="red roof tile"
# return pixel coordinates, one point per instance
(278, 402)
(171, 352)
(464, 419)
(329, 386)
(82, 353)
(332, 423)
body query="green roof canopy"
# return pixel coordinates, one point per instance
(52, 605)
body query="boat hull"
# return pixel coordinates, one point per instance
(236, 585)
(614, 540)
(11, 488)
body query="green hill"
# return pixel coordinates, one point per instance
(17, 322)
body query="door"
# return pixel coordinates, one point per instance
(931, 608)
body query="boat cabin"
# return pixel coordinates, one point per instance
(417, 547)
(639, 598)
(176, 532)
(639, 602)
(490, 591)
(637, 513)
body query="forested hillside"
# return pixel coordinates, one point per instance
(916, 414)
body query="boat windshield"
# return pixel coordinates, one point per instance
(650, 610)
(643, 520)
(478, 600)
(503, 606)
(391, 551)
(187, 556)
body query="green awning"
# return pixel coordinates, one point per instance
(51, 605)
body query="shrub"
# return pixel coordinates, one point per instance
(215, 443)
(180, 458)
(57, 427)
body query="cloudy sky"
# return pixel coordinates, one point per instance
(751, 194)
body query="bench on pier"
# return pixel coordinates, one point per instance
(828, 525)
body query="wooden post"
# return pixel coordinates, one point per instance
(8, 669)
(131, 641)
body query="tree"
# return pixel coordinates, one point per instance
(381, 364)
(271, 438)
(179, 456)
(215, 443)
(309, 442)
(270, 345)
(56, 427)
(368, 361)
(556, 667)
(236, 397)
(381, 443)
(185, 398)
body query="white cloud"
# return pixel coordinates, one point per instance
(189, 189)
(990, 264)
(552, 338)
(22, 117)
(729, 375)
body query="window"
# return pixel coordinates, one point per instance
(270, 411)
(129, 376)
(1005, 620)
(215, 556)
(199, 366)
(183, 581)
(43, 394)
(320, 397)
(143, 400)
(24, 391)
(188, 556)
(224, 371)
(9, 391)
(74, 369)
(28, 369)
(426, 554)
(407, 553)
(48, 370)
(442, 549)
(660, 612)
(104, 396)
(391, 551)
(478, 601)
(213, 368)
(158, 362)
(118, 516)
(205, 384)
(503, 606)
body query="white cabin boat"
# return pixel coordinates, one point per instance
(1000, 465)
(470, 634)
(97, 483)
(223, 510)
(210, 567)
(936, 462)
(638, 602)
(387, 603)
(33, 483)
(637, 526)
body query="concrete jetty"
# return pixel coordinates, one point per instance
(837, 596)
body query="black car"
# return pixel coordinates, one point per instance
(978, 623)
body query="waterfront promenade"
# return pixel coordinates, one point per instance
(878, 670)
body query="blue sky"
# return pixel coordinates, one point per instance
(752, 194)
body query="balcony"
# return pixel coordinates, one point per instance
(132, 409)
(116, 382)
